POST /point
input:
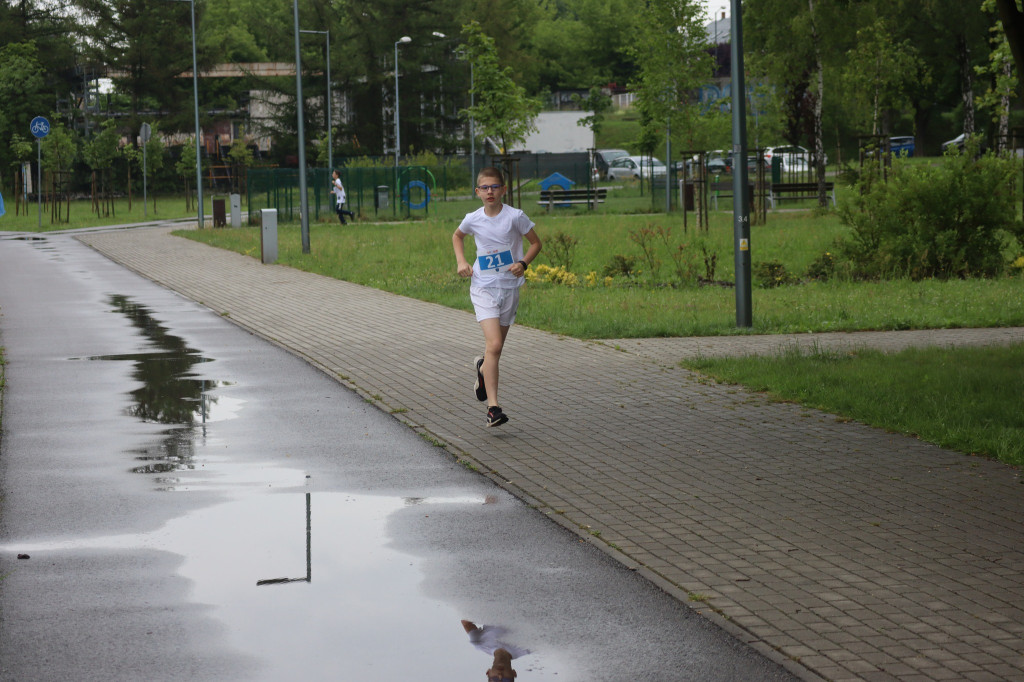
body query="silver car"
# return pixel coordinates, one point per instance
(636, 167)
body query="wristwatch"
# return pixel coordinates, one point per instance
(524, 264)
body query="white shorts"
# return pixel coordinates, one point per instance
(491, 302)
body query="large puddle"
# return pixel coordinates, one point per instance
(171, 393)
(310, 585)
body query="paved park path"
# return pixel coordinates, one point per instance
(845, 551)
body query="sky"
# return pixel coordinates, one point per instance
(711, 6)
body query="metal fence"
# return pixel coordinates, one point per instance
(378, 192)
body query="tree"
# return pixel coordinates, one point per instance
(1012, 19)
(154, 154)
(99, 154)
(670, 49)
(148, 45)
(1003, 81)
(880, 70)
(59, 151)
(131, 154)
(241, 158)
(598, 104)
(22, 91)
(185, 167)
(797, 44)
(502, 110)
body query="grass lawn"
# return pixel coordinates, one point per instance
(967, 399)
(415, 259)
(81, 213)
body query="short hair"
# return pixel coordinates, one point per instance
(491, 172)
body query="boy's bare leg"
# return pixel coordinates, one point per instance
(494, 341)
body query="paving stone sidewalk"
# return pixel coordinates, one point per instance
(847, 552)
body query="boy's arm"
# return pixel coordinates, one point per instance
(458, 244)
(517, 269)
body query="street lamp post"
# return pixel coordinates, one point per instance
(330, 121)
(740, 191)
(718, 39)
(303, 197)
(472, 127)
(195, 103)
(398, 135)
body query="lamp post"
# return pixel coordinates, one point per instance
(398, 135)
(303, 197)
(740, 191)
(330, 121)
(472, 127)
(195, 102)
(718, 39)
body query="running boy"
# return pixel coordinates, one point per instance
(339, 198)
(497, 274)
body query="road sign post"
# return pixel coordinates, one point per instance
(40, 128)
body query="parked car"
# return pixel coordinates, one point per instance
(719, 162)
(603, 158)
(635, 167)
(794, 157)
(902, 145)
(957, 143)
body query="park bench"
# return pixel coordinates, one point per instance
(724, 190)
(564, 197)
(799, 190)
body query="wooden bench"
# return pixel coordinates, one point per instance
(799, 190)
(724, 190)
(566, 197)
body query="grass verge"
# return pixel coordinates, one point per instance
(415, 259)
(967, 399)
(80, 214)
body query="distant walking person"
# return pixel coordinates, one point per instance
(497, 273)
(339, 198)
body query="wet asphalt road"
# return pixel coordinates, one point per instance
(158, 463)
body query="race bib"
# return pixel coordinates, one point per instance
(497, 261)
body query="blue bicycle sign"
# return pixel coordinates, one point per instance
(40, 127)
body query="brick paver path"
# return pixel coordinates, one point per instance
(844, 550)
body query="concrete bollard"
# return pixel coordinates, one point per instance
(236, 210)
(268, 235)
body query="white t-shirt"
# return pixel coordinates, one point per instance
(488, 638)
(339, 192)
(499, 244)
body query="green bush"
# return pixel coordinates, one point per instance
(772, 273)
(952, 220)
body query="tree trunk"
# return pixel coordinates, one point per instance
(966, 83)
(819, 156)
(1013, 27)
(1004, 111)
(95, 201)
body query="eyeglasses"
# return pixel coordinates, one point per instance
(484, 188)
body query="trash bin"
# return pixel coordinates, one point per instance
(687, 195)
(776, 169)
(219, 215)
(380, 197)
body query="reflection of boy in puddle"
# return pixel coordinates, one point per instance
(486, 638)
